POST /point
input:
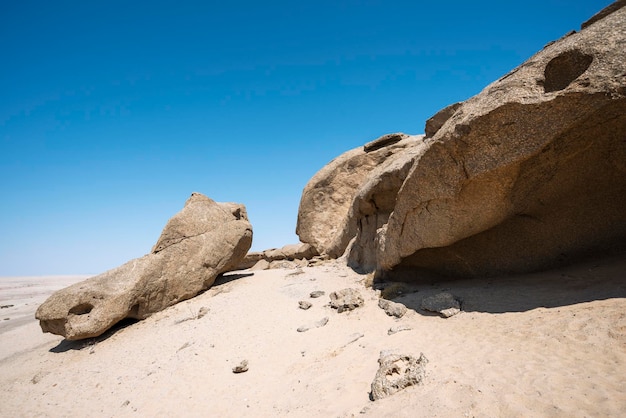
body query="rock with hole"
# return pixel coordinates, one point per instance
(202, 241)
(529, 174)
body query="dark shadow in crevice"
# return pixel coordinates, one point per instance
(229, 277)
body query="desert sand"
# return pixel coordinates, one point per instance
(543, 344)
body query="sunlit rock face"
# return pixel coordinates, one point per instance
(203, 240)
(529, 173)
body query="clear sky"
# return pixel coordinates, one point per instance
(113, 112)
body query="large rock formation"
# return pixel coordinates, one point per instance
(325, 217)
(529, 173)
(200, 242)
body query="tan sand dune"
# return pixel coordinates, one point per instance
(545, 344)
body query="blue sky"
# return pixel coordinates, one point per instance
(112, 113)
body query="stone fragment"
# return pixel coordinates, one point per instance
(261, 265)
(436, 122)
(397, 372)
(392, 308)
(303, 304)
(443, 303)
(242, 367)
(200, 242)
(317, 293)
(316, 324)
(346, 300)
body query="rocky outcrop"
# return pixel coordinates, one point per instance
(527, 174)
(298, 254)
(326, 215)
(200, 242)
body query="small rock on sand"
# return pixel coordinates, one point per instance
(316, 324)
(241, 367)
(303, 304)
(396, 372)
(346, 300)
(392, 308)
(317, 294)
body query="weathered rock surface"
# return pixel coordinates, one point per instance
(436, 122)
(392, 308)
(397, 372)
(346, 300)
(200, 242)
(303, 304)
(296, 253)
(528, 174)
(324, 217)
(443, 303)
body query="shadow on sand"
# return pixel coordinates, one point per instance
(87, 343)
(590, 280)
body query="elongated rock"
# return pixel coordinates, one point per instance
(202, 241)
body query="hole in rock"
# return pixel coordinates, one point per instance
(82, 309)
(565, 68)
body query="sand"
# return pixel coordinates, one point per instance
(544, 344)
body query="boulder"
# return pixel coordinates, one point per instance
(528, 174)
(324, 218)
(397, 372)
(202, 241)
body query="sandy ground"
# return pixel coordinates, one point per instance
(548, 344)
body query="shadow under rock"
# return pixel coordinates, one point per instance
(67, 345)
(590, 280)
(229, 277)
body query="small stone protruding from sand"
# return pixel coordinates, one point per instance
(392, 308)
(317, 324)
(317, 293)
(346, 300)
(398, 328)
(241, 367)
(202, 312)
(303, 304)
(443, 303)
(396, 372)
